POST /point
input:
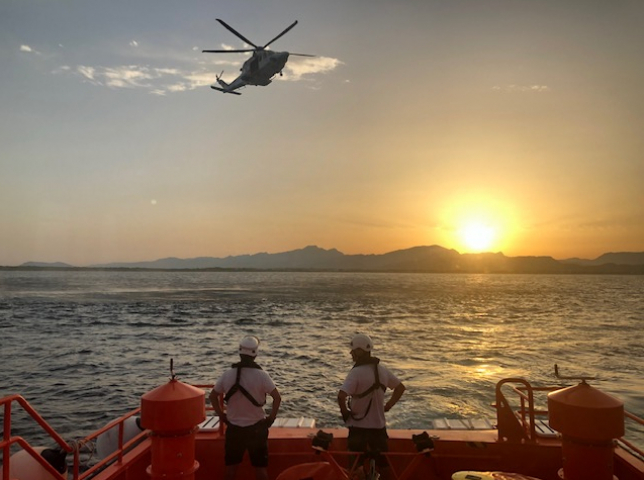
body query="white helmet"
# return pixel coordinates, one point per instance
(361, 341)
(249, 346)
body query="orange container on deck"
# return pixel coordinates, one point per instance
(589, 420)
(172, 412)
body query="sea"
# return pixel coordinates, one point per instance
(82, 346)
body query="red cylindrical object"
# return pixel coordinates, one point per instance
(173, 411)
(588, 420)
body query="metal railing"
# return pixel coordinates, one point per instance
(639, 451)
(121, 448)
(517, 423)
(8, 440)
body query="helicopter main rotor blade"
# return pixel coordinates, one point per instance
(302, 54)
(227, 51)
(281, 34)
(231, 29)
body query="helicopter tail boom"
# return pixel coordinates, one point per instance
(224, 90)
(225, 86)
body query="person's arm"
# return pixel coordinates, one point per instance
(342, 402)
(277, 400)
(395, 396)
(216, 400)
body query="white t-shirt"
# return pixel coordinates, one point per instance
(240, 411)
(360, 379)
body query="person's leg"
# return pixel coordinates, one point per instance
(257, 443)
(261, 473)
(356, 442)
(231, 471)
(379, 442)
(234, 451)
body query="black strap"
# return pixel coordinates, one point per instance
(376, 385)
(237, 387)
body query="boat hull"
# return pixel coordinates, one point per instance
(455, 450)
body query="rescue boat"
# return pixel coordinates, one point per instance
(539, 433)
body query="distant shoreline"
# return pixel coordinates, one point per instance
(574, 270)
(422, 259)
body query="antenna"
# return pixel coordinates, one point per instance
(561, 377)
(172, 375)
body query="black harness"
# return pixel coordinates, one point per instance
(376, 384)
(237, 387)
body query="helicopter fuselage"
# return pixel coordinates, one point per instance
(262, 66)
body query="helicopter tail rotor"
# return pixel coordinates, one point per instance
(220, 81)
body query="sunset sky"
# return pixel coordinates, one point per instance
(479, 125)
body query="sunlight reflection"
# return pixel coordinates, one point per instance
(487, 370)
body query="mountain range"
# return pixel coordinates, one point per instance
(417, 259)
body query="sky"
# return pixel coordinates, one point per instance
(509, 126)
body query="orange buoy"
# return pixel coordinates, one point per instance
(588, 420)
(172, 412)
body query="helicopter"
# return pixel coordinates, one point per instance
(260, 68)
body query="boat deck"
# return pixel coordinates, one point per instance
(455, 450)
(519, 441)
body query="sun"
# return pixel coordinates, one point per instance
(477, 222)
(477, 236)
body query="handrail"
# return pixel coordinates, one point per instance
(628, 443)
(121, 448)
(6, 446)
(510, 427)
(8, 440)
(520, 425)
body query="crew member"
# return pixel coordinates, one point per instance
(362, 400)
(243, 389)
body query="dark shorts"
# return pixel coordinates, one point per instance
(253, 438)
(368, 440)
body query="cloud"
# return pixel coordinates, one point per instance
(87, 72)
(28, 49)
(127, 76)
(178, 87)
(158, 81)
(297, 67)
(245, 46)
(522, 88)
